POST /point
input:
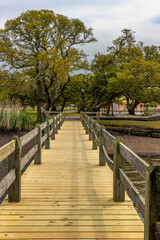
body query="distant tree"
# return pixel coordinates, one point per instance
(128, 69)
(78, 91)
(135, 81)
(4, 77)
(103, 68)
(151, 53)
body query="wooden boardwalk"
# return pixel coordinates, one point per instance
(69, 196)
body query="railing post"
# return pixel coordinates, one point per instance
(152, 201)
(118, 162)
(47, 130)
(56, 124)
(59, 123)
(14, 191)
(87, 130)
(102, 161)
(53, 133)
(62, 118)
(45, 115)
(94, 145)
(98, 116)
(90, 129)
(81, 117)
(84, 122)
(38, 154)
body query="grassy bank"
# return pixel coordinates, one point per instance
(130, 124)
(32, 114)
(72, 114)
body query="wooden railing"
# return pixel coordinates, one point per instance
(16, 164)
(148, 206)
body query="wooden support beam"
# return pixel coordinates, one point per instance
(90, 128)
(151, 204)
(59, 121)
(118, 162)
(38, 140)
(56, 124)
(47, 131)
(14, 191)
(102, 161)
(53, 133)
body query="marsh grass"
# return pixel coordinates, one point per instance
(15, 120)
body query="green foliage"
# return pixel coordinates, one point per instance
(78, 91)
(32, 114)
(40, 47)
(128, 70)
(15, 120)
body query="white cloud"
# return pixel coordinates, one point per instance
(108, 20)
(106, 17)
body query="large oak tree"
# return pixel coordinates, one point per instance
(41, 46)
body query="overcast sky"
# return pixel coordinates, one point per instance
(106, 17)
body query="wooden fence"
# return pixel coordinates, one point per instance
(16, 164)
(148, 206)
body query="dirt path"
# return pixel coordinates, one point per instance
(138, 143)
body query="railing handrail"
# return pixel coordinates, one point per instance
(6, 150)
(16, 164)
(147, 206)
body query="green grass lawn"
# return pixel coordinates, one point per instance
(130, 124)
(33, 114)
(72, 114)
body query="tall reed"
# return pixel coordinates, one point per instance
(15, 120)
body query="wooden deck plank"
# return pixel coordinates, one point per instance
(75, 222)
(69, 196)
(72, 235)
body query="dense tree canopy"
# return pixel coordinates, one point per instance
(41, 46)
(39, 53)
(132, 71)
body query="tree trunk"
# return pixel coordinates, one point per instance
(53, 108)
(39, 95)
(39, 92)
(83, 101)
(131, 111)
(39, 114)
(47, 107)
(48, 94)
(108, 108)
(64, 103)
(78, 109)
(53, 102)
(131, 106)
